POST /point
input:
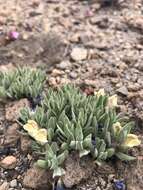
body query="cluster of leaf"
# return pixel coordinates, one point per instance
(20, 83)
(76, 122)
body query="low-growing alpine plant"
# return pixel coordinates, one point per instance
(21, 83)
(67, 120)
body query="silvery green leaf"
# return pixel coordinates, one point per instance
(84, 153)
(103, 155)
(105, 99)
(88, 124)
(98, 142)
(50, 134)
(52, 123)
(58, 172)
(79, 145)
(128, 126)
(49, 152)
(87, 141)
(73, 144)
(99, 101)
(122, 135)
(102, 146)
(64, 146)
(124, 157)
(95, 153)
(95, 126)
(61, 158)
(99, 114)
(81, 117)
(54, 162)
(61, 130)
(69, 132)
(42, 164)
(2, 92)
(106, 124)
(122, 118)
(111, 152)
(73, 114)
(78, 133)
(54, 147)
(108, 138)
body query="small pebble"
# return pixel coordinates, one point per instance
(64, 65)
(13, 183)
(73, 75)
(123, 90)
(8, 162)
(79, 54)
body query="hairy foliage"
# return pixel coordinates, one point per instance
(20, 83)
(76, 122)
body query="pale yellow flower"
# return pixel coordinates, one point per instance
(117, 127)
(131, 141)
(112, 101)
(100, 92)
(33, 123)
(29, 128)
(41, 136)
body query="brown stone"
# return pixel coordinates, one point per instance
(25, 143)
(122, 90)
(37, 178)
(4, 186)
(76, 170)
(13, 109)
(8, 162)
(11, 135)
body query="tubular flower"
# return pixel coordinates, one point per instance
(112, 101)
(32, 122)
(131, 141)
(117, 127)
(40, 135)
(100, 92)
(30, 126)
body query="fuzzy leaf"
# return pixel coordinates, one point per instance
(58, 172)
(84, 153)
(61, 158)
(124, 157)
(42, 164)
(110, 152)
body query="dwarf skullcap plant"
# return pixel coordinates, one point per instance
(76, 122)
(21, 83)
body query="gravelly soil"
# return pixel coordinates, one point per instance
(111, 36)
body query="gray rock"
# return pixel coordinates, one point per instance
(79, 54)
(123, 90)
(76, 170)
(8, 162)
(13, 109)
(37, 178)
(25, 143)
(13, 183)
(64, 65)
(73, 75)
(11, 135)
